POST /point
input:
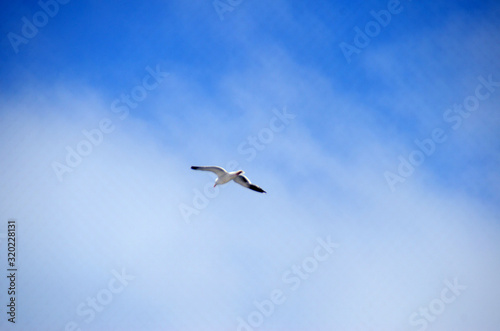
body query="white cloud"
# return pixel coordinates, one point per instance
(119, 209)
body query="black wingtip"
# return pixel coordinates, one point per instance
(194, 168)
(256, 188)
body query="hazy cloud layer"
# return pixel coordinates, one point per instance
(98, 191)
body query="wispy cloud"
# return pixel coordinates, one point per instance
(323, 172)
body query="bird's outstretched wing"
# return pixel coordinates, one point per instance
(244, 181)
(216, 170)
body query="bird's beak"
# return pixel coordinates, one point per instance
(215, 185)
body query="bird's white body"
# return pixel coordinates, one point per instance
(223, 177)
(227, 177)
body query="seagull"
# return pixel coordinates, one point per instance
(223, 177)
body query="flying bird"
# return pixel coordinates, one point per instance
(223, 177)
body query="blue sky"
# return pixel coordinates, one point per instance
(390, 154)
